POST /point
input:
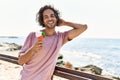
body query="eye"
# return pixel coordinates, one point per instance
(52, 15)
(45, 17)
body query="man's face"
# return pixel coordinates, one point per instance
(49, 19)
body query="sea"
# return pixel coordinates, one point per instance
(102, 52)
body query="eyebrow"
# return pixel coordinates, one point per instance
(47, 15)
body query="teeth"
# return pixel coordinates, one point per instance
(50, 22)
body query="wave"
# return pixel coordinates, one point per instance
(80, 58)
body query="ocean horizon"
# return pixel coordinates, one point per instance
(102, 52)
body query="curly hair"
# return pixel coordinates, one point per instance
(39, 16)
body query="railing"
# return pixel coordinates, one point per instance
(62, 72)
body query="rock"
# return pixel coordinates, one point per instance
(10, 46)
(89, 68)
(60, 61)
(1, 45)
(92, 69)
(68, 65)
(116, 78)
(60, 56)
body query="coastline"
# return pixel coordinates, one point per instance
(10, 71)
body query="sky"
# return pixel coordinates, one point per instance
(18, 17)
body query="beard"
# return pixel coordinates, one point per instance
(50, 26)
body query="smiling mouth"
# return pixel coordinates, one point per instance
(50, 22)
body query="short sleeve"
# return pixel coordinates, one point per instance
(27, 44)
(64, 37)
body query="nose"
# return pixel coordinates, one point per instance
(49, 18)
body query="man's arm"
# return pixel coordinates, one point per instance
(76, 31)
(30, 52)
(25, 58)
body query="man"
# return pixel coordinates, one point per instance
(39, 57)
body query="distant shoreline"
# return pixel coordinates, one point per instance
(88, 51)
(8, 37)
(80, 37)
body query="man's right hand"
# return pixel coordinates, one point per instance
(37, 46)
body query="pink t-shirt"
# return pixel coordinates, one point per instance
(41, 66)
